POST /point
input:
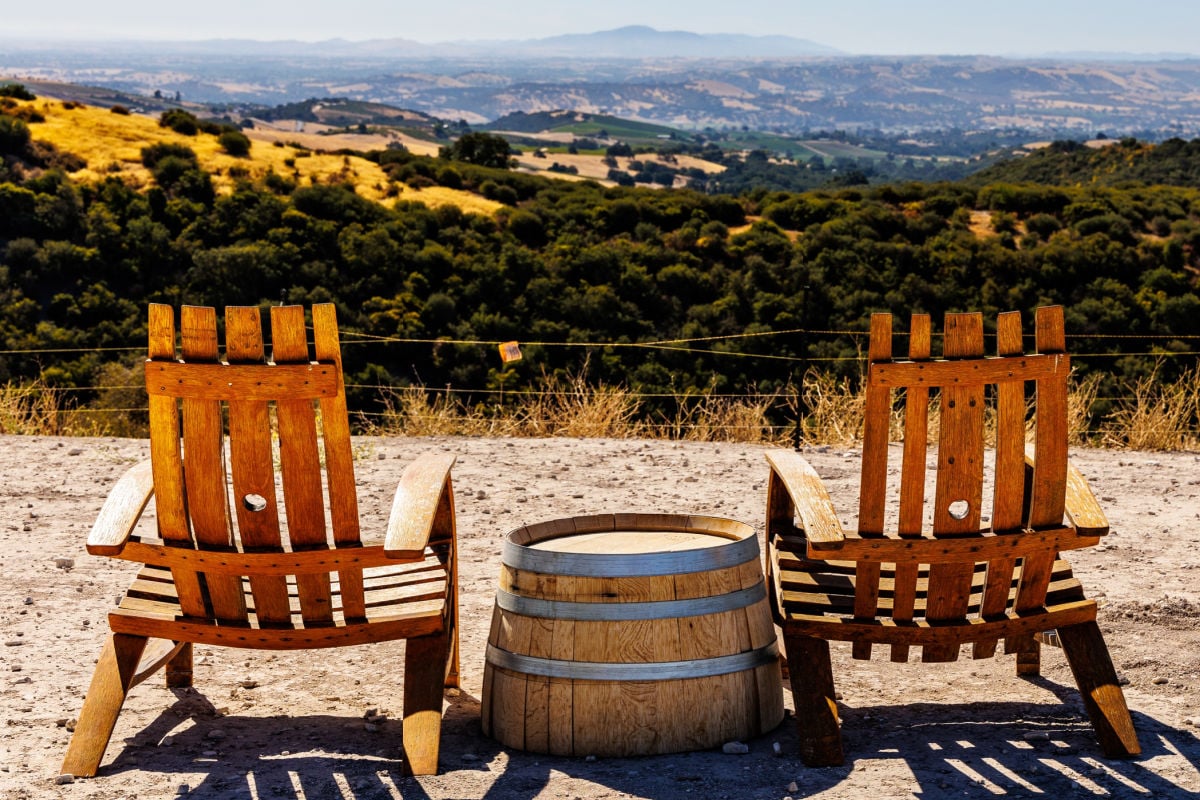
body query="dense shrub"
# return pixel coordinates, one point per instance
(16, 91)
(235, 143)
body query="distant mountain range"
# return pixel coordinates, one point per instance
(633, 41)
(676, 78)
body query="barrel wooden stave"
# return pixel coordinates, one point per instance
(573, 716)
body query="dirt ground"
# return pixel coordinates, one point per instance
(291, 725)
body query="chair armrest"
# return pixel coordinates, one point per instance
(416, 506)
(121, 511)
(809, 497)
(1083, 512)
(1082, 509)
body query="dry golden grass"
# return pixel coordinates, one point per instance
(981, 223)
(835, 410)
(1157, 415)
(435, 196)
(414, 411)
(1153, 417)
(29, 410)
(570, 407)
(1081, 395)
(714, 418)
(37, 410)
(112, 146)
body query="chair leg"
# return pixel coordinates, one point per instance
(111, 681)
(1029, 654)
(453, 679)
(179, 668)
(811, 673)
(1102, 696)
(424, 679)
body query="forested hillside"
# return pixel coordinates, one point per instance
(1174, 162)
(666, 292)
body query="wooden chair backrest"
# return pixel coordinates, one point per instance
(212, 497)
(962, 375)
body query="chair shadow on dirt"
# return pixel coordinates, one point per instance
(1016, 749)
(201, 753)
(978, 749)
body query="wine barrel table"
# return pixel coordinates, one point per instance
(630, 634)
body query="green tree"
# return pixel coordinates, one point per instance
(483, 149)
(180, 121)
(235, 143)
(16, 91)
(14, 135)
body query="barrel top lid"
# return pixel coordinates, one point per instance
(629, 542)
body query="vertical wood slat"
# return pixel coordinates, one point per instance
(300, 464)
(1050, 468)
(912, 477)
(170, 499)
(339, 458)
(873, 485)
(1048, 493)
(959, 477)
(204, 463)
(1009, 489)
(251, 463)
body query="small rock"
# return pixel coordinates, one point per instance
(470, 757)
(215, 734)
(735, 748)
(370, 727)
(66, 777)
(1122, 680)
(793, 787)
(75, 451)
(13, 643)
(209, 753)
(777, 748)
(590, 758)
(1036, 736)
(1161, 680)
(64, 562)
(1189, 721)
(249, 684)
(28, 601)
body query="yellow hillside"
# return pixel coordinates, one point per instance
(112, 144)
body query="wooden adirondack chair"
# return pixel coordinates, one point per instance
(231, 565)
(939, 578)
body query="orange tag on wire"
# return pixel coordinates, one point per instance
(510, 351)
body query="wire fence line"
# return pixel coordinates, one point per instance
(357, 338)
(354, 338)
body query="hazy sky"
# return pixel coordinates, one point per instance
(1007, 27)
